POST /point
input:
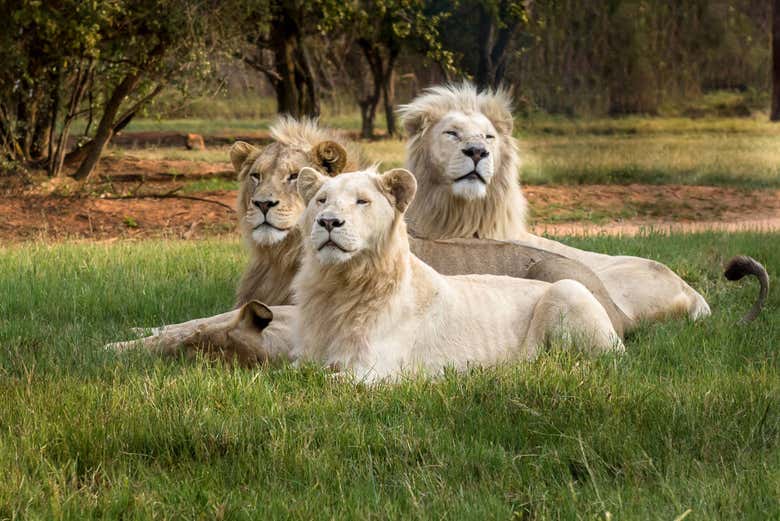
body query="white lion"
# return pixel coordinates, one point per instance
(465, 159)
(366, 304)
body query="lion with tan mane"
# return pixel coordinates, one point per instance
(269, 207)
(464, 157)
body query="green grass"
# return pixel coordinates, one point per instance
(732, 152)
(688, 419)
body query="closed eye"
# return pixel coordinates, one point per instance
(490, 136)
(321, 200)
(363, 201)
(451, 133)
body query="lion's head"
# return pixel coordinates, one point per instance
(268, 203)
(353, 213)
(463, 154)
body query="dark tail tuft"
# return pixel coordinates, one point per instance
(742, 265)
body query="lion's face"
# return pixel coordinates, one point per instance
(269, 203)
(352, 213)
(463, 147)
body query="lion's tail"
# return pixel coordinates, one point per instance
(742, 265)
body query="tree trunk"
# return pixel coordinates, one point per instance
(293, 77)
(388, 93)
(493, 46)
(105, 127)
(485, 65)
(369, 103)
(78, 154)
(367, 116)
(80, 86)
(775, 115)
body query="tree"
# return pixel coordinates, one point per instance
(114, 55)
(482, 34)
(283, 38)
(383, 29)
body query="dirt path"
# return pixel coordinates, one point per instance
(555, 210)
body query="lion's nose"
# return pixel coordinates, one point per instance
(330, 223)
(264, 206)
(476, 153)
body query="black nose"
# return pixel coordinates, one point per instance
(475, 153)
(264, 206)
(329, 224)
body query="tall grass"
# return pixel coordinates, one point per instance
(686, 420)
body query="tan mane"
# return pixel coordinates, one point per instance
(271, 268)
(436, 213)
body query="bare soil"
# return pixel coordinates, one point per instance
(137, 198)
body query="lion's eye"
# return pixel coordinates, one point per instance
(321, 200)
(490, 136)
(255, 178)
(451, 133)
(293, 177)
(363, 201)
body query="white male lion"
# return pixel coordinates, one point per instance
(366, 304)
(465, 159)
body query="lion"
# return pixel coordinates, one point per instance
(269, 205)
(465, 160)
(367, 305)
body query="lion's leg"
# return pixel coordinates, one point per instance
(557, 268)
(568, 313)
(169, 339)
(650, 291)
(189, 325)
(642, 288)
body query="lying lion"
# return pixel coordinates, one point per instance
(269, 207)
(367, 305)
(465, 159)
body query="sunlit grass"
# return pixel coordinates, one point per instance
(685, 420)
(736, 152)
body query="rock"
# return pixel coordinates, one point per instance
(195, 142)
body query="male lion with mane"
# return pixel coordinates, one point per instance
(464, 157)
(269, 205)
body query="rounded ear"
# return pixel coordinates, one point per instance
(255, 315)
(309, 181)
(497, 107)
(330, 156)
(239, 152)
(413, 118)
(401, 186)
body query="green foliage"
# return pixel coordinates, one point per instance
(58, 51)
(634, 56)
(686, 419)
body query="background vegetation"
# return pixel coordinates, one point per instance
(94, 66)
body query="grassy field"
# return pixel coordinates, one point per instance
(685, 424)
(734, 152)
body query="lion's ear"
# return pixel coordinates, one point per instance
(330, 156)
(239, 152)
(401, 185)
(413, 118)
(497, 107)
(309, 181)
(255, 315)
